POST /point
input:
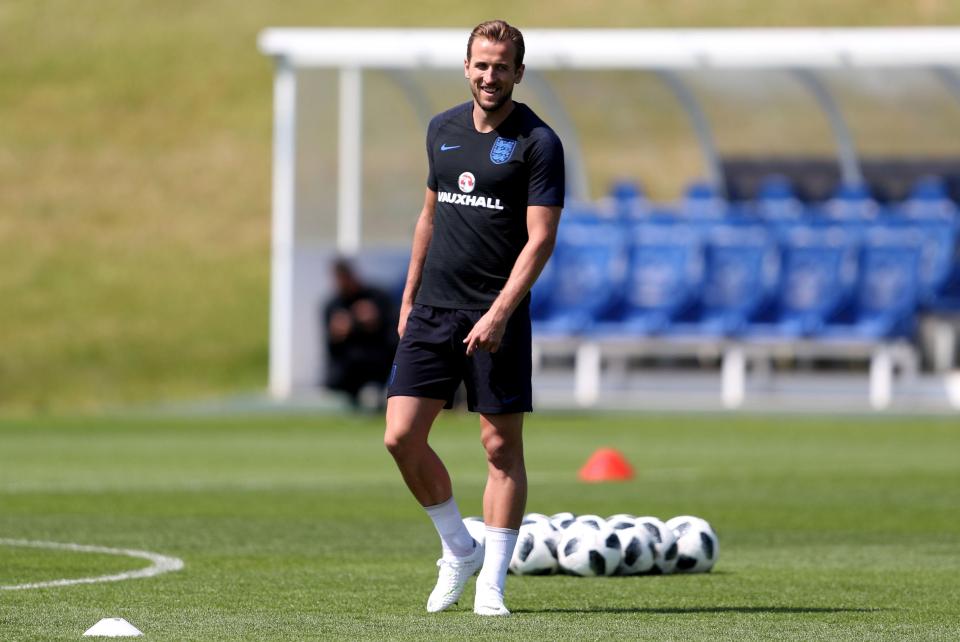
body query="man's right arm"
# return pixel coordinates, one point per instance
(421, 241)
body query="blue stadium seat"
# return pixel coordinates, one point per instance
(818, 271)
(937, 240)
(852, 202)
(929, 206)
(542, 291)
(947, 298)
(663, 279)
(776, 200)
(885, 302)
(582, 212)
(930, 201)
(589, 265)
(626, 201)
(741, 267)
(702, 201)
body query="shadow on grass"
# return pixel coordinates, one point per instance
(704, 609)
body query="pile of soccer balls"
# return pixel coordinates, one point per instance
(590, 545)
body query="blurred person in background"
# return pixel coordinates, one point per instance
(360, 322)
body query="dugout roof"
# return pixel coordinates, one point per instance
(627, 48)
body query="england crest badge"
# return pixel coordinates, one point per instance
(502, 150)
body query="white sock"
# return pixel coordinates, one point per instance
(454, 536)
(500, 544)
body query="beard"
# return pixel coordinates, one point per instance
(502, 100)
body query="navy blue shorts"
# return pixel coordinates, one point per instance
(431, 361)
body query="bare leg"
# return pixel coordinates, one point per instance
(504, 499)
(505, 496)
(409, 420)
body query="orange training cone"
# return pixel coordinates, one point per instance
(606, 464)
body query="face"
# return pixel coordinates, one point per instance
(492, 73)
(346, 283)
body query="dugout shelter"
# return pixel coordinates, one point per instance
(306, 60)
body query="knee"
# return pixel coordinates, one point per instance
(402, 445)
(502, 454)
(394, 442)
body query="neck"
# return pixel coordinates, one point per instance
(487, 121)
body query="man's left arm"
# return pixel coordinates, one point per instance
(542, 222)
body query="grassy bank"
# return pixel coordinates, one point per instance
(134, 175)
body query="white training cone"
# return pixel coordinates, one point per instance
(113, 627)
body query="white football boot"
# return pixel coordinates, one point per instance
(452, 577)
(489, 601)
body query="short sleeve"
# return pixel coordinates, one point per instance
(547, 174)
(431, 173)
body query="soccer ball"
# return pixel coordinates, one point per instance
(621, 517)
(665, 543)
(595, 521)
(637, 552)
(477, 529)
(535, 517)
(536, 550)
(587, 551)
(561, 520)
(621, 521)
(697, 544)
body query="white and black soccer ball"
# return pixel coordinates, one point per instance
(621, 517)
(535, 517)
(536, 550)
(619, 523)
(596, 520)
(698, 546)
(637, 552)
(477, 529)
(561, 520)
(664, 543)
(589, 549)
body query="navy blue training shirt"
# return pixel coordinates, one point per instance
(484, 183)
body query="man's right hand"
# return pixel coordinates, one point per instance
(340, 326)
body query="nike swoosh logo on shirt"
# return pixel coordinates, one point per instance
(445, 147)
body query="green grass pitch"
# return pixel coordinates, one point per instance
(296, 528)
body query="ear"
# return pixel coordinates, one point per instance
(466, 68)
(520, 71)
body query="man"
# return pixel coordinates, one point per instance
(488, 225)
(359, 321)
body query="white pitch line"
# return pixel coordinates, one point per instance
(161, 563)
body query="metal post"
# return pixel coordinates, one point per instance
(415, 94)
(733, 375)
(350, 161)
(701, 128)
(951, 384)
(284, 219)
(587, 368)
(881, 379)
(850, 172)
(578, 186)
(950, 78)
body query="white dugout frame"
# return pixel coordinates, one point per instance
(295, 360)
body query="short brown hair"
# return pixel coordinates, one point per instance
(498, 31)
